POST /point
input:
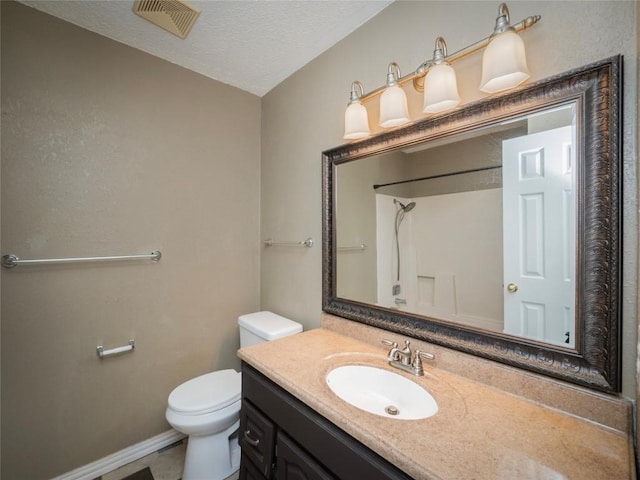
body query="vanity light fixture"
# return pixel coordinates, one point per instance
(393, 102)
(356, 120)
(504, 64)
(504, 67)
(440, 84)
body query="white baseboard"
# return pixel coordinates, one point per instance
(118, 459)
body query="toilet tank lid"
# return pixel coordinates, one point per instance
(207, 393)
(269, 325)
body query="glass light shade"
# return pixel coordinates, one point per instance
(440, 89)
(393, 107)
(504, 64)
(356, 122)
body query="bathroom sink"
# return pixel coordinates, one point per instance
(381, 392)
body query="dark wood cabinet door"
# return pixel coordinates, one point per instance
(293, 463)
(257, 438)
(248, 471)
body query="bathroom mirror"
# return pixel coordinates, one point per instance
(493, 229)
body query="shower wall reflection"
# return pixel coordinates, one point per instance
(439, 275)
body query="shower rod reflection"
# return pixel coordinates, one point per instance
(442, 175)
(10, 261)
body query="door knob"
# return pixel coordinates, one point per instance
(512, 288)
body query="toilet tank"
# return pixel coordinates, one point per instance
(265, 326)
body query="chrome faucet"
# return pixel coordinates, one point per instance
(401, 358)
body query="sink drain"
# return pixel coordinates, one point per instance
(391, 410)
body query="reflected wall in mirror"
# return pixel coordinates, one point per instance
(493, 229)
(478, 230)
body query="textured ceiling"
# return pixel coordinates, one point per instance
(252, 45)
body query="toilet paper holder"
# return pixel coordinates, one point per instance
(102, 353)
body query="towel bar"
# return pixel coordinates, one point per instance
(10, 260)
(304, 243)
(102, 353)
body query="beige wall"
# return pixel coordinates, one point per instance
(637, 126)
(0, 275)
(356, 277)
(107, 150)
(356, 224)
(304, 116)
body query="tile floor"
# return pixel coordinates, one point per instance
(165, 464)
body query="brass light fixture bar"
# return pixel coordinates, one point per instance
(418, 76)
(504, 66)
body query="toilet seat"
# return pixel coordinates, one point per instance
(206, 393)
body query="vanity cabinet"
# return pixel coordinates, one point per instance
(284, 439)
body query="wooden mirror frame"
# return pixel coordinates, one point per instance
(595, 361)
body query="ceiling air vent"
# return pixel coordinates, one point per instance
(174, 16)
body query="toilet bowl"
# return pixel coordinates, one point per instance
(207, 408)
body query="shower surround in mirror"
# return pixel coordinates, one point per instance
(444, 256)
(436, 277)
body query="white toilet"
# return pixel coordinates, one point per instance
(207, 408)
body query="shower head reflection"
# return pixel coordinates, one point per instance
(406, 208)
(399, 217)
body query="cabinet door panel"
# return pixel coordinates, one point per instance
(257, 438)
(294, 464)
(248, 471)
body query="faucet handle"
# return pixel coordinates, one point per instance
(390, 343)
(417, 361)
(393, 352)
(425, 355)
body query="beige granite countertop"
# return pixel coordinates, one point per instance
(479, 432)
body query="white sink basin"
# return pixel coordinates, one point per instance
(381, 392)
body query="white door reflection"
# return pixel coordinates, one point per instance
(539, 236)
